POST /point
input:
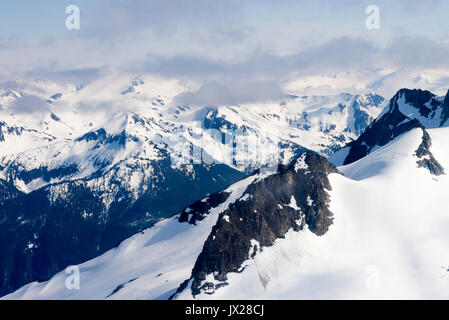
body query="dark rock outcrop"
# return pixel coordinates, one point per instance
(426, 158)
(383, 130)
(394, 123)
(7, 191)
(289, 199)
(445, 110)
(198, 210)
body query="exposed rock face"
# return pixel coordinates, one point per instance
(201, 207)
(426, 158)
(269, 208)
(418, 98)
(383, 130)
(361, 118)
(408, 109)
(7, 191)
(445, 110)
(7, 130)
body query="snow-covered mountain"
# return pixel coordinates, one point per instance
(372, 229)
(88, 166)
(49, 137)
(407, 110)
(64, 133)
(319, 123)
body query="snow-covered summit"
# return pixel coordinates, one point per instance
(408, 109)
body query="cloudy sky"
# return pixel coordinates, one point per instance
(227, 45)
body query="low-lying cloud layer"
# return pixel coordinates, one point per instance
(239, 92)
(28, 104)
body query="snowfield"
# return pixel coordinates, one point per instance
(149, 265)
(389, 240)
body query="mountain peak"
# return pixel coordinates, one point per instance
(294, 198)
(416, 98)
(413, 94)
(408, 109)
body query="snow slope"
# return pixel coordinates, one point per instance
(388, 240)
(149, 265)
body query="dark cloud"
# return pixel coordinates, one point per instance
(81, 76)
(165, 17)
(336, 55)
(28, 104)
(259, 63)
(11, 84)
(238, 92)
(416, 53)
(342, 54)
(261, 76)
